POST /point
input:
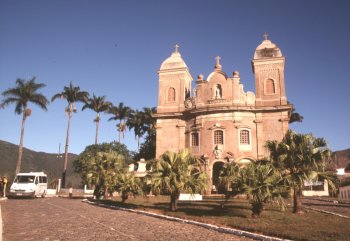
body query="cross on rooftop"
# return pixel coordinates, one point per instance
(217, 58)
(266, 36)
(176, 48)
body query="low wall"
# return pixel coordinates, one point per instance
(51, 192)
(315, 193)
(76, 192)
(190, 197)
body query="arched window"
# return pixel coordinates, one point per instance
(270, 87)
(218, 137)
(244, 137)
(194, 139)
(171, 94)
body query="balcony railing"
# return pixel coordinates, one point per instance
(217, 101)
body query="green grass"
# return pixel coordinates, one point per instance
(236, 214)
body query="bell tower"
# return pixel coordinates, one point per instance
(268, 68)
(174, 83)
(174, 87)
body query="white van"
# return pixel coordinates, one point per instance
(31, 184)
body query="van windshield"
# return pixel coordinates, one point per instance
(24, 179)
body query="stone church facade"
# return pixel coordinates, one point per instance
(217, 120)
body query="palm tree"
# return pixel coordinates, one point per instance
(175, 173)
(228, 174)
(97, 104)
(294, 116)
(136, 121)
(149, 121)
(301, 158)
(24, 92)
(261, 183)
(104, 169)
(128, 183)
(72, 94)
(121, 113)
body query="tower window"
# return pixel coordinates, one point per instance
(195, 139)
(270, 87)
(218, 137)
(244, 137)
(171, 94)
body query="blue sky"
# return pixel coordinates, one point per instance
(115, 48)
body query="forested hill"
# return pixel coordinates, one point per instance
(34, 161)
(52, 165)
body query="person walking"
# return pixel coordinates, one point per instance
(4, 183)
(1, 188)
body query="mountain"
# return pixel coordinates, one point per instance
(341, 158)
(34, 161)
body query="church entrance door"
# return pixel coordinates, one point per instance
(217, 188)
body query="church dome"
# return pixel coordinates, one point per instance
(174, 61)
(267, 49)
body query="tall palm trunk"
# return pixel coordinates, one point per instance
(106, 193)
(96, 137)
(20, 147)
(120, 129)
(257, 208)
(138, 143)
(66, 147)
(173, 202)
(297, 205)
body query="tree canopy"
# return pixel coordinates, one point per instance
(176, 173)
(259, 181)
(301, 158)
(21, 95)
(101, 164)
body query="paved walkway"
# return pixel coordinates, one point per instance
(53, 219)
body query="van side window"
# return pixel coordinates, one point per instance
(44, 180)
(36, 180)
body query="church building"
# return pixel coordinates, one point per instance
(217, 120)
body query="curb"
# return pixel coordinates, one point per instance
(327, 212)
(204, 225)
(330, 201)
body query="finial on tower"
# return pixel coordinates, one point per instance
(177, 48)
(266, 36)
(217, 58)
(218, 65)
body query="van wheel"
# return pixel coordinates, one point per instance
(43, 195)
